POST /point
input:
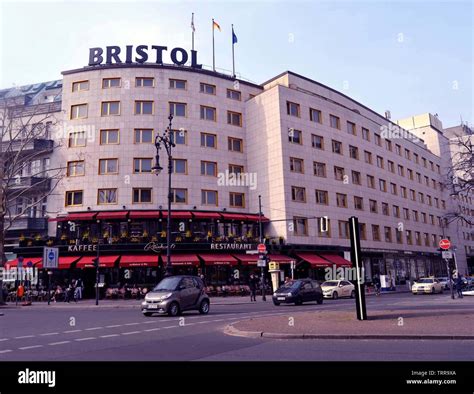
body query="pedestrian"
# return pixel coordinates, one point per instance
(459, 284)
(376, 282)
(20, 292)
(253, 280)
(69, 293)
(287, 280)
(78, 290)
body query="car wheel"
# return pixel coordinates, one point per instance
(204, 307)
(299, 301)
(353, 294)
(276, 303)
(433, 291)
(147, 314)
(173, 309)
(319, 301)
(335, 295)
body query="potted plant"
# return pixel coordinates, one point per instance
(50, 242)
(95, 240)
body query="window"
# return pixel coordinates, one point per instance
(109, 137)
(398, 235)
(388, 145)
(296, 165)
(362, 231)
(178, 84)
(143, 136)
(74, 198)
(341, 200)
(401, 171)
(429, 200)
(375, 232)
(208, 113)
(108, 166)
(235, 144)
(298, 194)
(142, 165)
(426, 236)
(145, 82)
(77, 139)
(178, 109)
(295, 136)
(141, 196)
(322, 197)
(427, 181)
(371, 181)
(368, 157)
(396, 211)
(236, 169)
(237, 200)
(143, 107)
(407, 154)
(209, 168)
(398, 149)
(324, 227)
(351, 128)
(79, 111)
(406, 214)
(387, 234)
(106, 196)
(385, 209)
(403, 191)
(300, 225)
(382, 185)
(180, 166)
(415, 155)
(80, 86)
(421, 198)
(438, 169)
(353, 152)
(391, 166)
(315, 115)
(343, 229)
(365, 134)
(415, 215)
(393, 188)
(75, 168)
(334, 122)
(377, 139)
(356, 178)
(424, 162)
(423, 217)
(208, 140)
(234, 118)
(432, 220)
(179, 196)
(410, 174)
(292, 109)
(234, 95)
(409, 237)
(209, 197)
(436, 202)
(373, 206)
(111, 83)
(358, 203)
(317, 141)
(339, 173)
(207, 88)
(319, 169)
(337, 147)
(380, 162)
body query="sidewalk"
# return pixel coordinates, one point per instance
(435, 323)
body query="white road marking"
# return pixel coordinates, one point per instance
(25, 336)
(131, 332)
(84, 339)
(5, 351)
(131, 324)
(30, 347)
(114, 326)
(169, 327)
(49, 333)
(94, 328)
(149, 322)
(58, 343)
(3, 339)
(109, 336)
(71, 331)
(152, 329)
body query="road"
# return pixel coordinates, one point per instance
(83, 333)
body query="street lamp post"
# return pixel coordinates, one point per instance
(260, 231)
(167, 141)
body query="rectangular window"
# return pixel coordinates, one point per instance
(235, 144)
(393, 188)
(236, 169)
(300, 225)
(110, 108)
(209, 168)
(142, 165)
(237, 200)
(365, 134)
(209, 197)
(415, 215)
(317, 141)
(362, 231)
(382, 185)
(234, 118)
(399, 235)
(180, 166)
(298, 194)
(407, 154)
(207, 88)
(80, 86)
(322, 197)
(106, 196)
(108, 166)
(143, 107)
(368, 157)
(293, 109)
(375, 232)
(75, 168)
(143, 136)
(77, 139)
(141, 196)
(401, 171)
(351, 128)
(319, 169)
(315, 115)
(109, 137)
(337, 147)
(391, 166)
(426, 236)
(179, 196)
(358, 203)
(356, 178)
(410, 174)
(339, 173)
(396, 211)
(388, 234)
(421, 198)
(343, 229)
(409, 237)
(74, 198)
(334, 122)
(353, 152)
(385, 209)
(377, 139)
(296, 165)
(178, 109)
(324, 227)
(208, 113)
(79, 111)
(371, 181)
(398, 149)
(111, 83)
(179, 137)
(208, 140)
(144, 82)
(403, 191)
(373, 206)
(178, 84)
(295, 136)
(380, 162)
(406, 214)
(388, 145)
(341, 200)
(234, 95)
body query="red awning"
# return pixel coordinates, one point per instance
(81, 216)
(34, 260)
(246, 259)
(336, 259)
(218, 259)
(139, 260)
(104, 262)
(254, 218)
(207, 215)
(177, 214)
(315, 260)
(181, 259)
(234, 216)
(144, 215)
(112, 215)
(280, 258)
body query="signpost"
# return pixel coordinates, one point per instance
(50, 260)
(357, 264)
(445, 244)
(446, 254)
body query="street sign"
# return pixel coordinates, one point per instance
(273, 265)
(261, 263)
(50, 257)
(445, 244)
(447, 254)
(261, 248)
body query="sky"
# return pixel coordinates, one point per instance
(409, 57)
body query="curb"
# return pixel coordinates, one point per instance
(231, 330)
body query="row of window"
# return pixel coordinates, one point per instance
(109, 196)
(149, 82)
(293, 109)
(145, 136)
(147, 107)
(300, 227)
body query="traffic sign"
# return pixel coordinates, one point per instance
(445, 244)
(261, 263)
(447, 254)
(50, 257)
(261, 248)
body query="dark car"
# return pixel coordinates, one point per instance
(176, 294)
(298, 291)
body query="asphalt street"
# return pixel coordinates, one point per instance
(83, 333)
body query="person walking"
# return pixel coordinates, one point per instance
(253, 287)
(376, 282)
(78, 290)
(459, 284)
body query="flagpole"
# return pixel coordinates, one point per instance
(213, 53)
(192, 29)
(233, 58)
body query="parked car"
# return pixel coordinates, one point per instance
(176, 294)
(338, 288)
(468, 291)
(427, 286)
(444, 280)
(298, 291)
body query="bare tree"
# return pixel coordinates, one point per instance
(25, 141)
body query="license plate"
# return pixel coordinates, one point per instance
(281, 298)
(152, 306)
